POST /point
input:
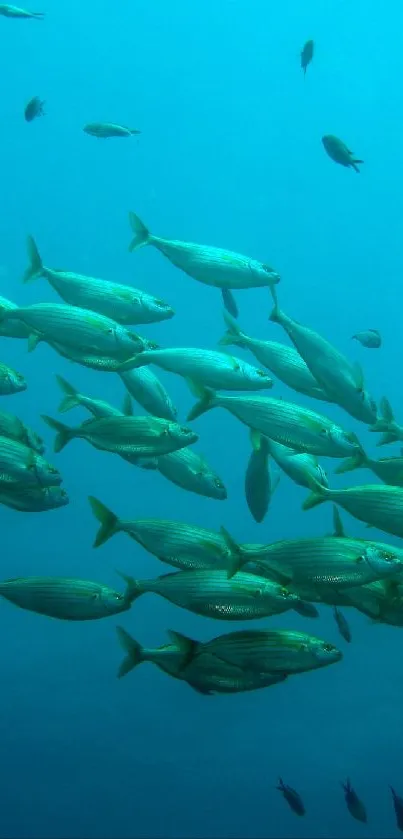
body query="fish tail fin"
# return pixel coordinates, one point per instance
(141, 234)
(206, 397)
(280, 786)
(357, 461)
(387, 417)
(236, 557)
(108, 520)
(64, 432)
(187, 646)
(234, 334)
(71, 398)
(318, 495)
(354, 164)
(127, 407)
(132, 648)
(35, 267)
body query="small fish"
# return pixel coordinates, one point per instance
(340, 153)
(370, 338)
(206, 264)
(11, 381)
(229, 302)
(13, 428)
(145, 387)
(259, 486)
(377, 505)
(33, 499)
(398, 805)
(97, 407)
(307, 54)
(14, 11)
(354, 805)
(65, 598)
(342, 624)
(34, 109)
(109, 129)
(124, 304)
(292, 798)
(127, 436)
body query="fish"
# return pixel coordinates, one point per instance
(14, 11)
(370, 338)
(206, 264)
(342, 624)
(182, 545)
(205, 673)
(387, 469)
(102, 362)
(340, 153)
(322, 563)
(392, 431)
(354, 805)
(205, 367)
(285, 422)
(398, 807)
(11, 381)
(97, 407)
(65, 598)
(229, 302)
(267, 651)
(34, 109)
(11, 329)
(211, 594)
(292, 798)
(123, 304)
(283, 361)
(307, 54)
(299, 466)
(259, 486)
(145, 387)
(377, 505)
(127, 436)
(189, 470)
(13, 427)
(81, 329)
(109, 129)
(33, 499)
(21, 466)
(335, 374)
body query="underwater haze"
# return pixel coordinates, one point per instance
(230, 154)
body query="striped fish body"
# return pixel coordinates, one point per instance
(135, 436)
(378, 505)
(33, 499)
(212, 594)
(20, 465)
(299, 466)
(290, 424)
(124, 304)
(144, 386)
(287, 365)
(184, 546)
(327, 562)
(188, 470)
(103, 363)
(11, 381)
(388, 469)
(216, 370)
(12, 427)
(64, 598)
(215, 266)
(81, 329)
(276, 651)
(11, 329)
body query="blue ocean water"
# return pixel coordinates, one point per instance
(231, 155)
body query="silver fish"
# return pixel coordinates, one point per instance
(144, 386)
(14, 11)
(370, 338)
(109, 129)
(65, 598)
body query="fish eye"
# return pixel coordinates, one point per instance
(267, 268)
(118, 596)
(324, 432)
(262, 374)
(284, 592)
(328, 648)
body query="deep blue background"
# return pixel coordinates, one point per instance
(230, 155)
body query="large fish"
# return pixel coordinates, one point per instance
(124, 304)
(335, 374)
(285, 422)
(209, 265)
(127, 436)
(65, 598)
(205, 367)
(378, 505)
(283, 361)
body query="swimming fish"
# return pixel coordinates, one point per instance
(378, 505)
(354, 805)
(109, 129)
(209, 265)
(370, 338)
(259, 485)
(65, 598)
(97, 407)
(299, 466)
(145, 387)
(340, 153)
(34, 109)
(123, 304)
(398, 806)
(292, 798)
(21, 466)
(307, 54)
(14, 11)
(190, 471)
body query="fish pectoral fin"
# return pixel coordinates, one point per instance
(358, 377)
(34, 339)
